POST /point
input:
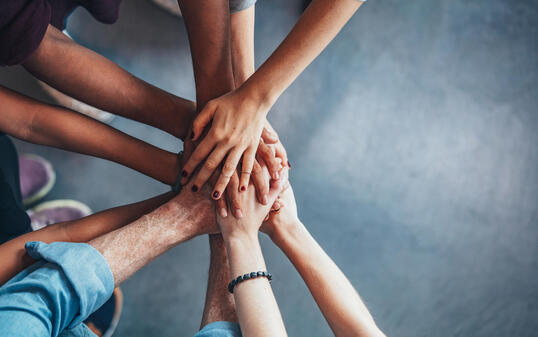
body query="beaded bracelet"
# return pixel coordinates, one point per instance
(248, 276)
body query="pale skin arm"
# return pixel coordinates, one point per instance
(256, 305)
(131, 247)
(238, 117)
(38, 123)
(335, 295)
(15, 258)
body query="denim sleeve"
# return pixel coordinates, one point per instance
(67, 284)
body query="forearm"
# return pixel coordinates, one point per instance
(131, 247)
(255, 303)
(35, 122)
(335, 295)
(242, 44)
(95, 80)
(316, 28)
(15, 259)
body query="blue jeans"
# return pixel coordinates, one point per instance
(55, 295)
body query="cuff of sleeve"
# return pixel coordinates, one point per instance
(84, 267)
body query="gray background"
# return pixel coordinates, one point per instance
(414, 145)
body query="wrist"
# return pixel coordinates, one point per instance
(192, 216)
(286, 232)
(263, 95)
(238, 238)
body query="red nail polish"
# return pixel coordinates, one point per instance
(289, 165)
(216, 194)
(184, 173)
(243, 188)
(194, 188)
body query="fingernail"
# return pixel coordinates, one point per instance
(265, 199)
(184, 173)
(194, 188)
(192, 135)
(289, 165)
(238, 213)
(243, 188)
(216, 194)
(223, 212)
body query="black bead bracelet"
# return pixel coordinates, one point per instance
(248, 276)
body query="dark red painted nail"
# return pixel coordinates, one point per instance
(216, 194)
(184, 173)
(192, 136)
(289, 165)
(243, 188)
(194, 188)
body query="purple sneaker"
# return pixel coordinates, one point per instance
(51, 212)
(37, 178)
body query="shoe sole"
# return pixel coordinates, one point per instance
(83, 208)
(43, 191)
(117, 313)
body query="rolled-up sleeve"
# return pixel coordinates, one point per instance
(23, 24)
(68, 283)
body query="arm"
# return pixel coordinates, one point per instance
(35, 122)
(337, 299)
(129, 248)
(15, 259)
(256, 306)
(97, 81)
(59, 292)
(242, 46)
(238, 117)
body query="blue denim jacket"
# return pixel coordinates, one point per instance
(55, 295)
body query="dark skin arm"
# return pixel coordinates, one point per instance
(99, 82)
(38, 123)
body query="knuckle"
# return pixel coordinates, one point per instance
(228, 168)
(218, 134)
(211, 164)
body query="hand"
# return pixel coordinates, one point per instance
(236, 127)
(201, 203)
(284, 217)
(231, 196)
(255, 212)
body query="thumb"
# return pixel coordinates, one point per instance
(269, 137)
(203, 118)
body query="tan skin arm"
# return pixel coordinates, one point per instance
(237, 118)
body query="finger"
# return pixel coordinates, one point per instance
(266, 153)
(278, 185)
(269, 137)
(210, 165)
(261, 183)
(280, 152)
(246, 168)
(199, 154)
(234, 199)
(203, 118)
(228, 170)
(222, 207)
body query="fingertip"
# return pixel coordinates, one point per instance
(238, 213)
(223, 213)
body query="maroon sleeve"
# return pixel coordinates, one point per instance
(23, 24)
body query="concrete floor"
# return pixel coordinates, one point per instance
(414, 146)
